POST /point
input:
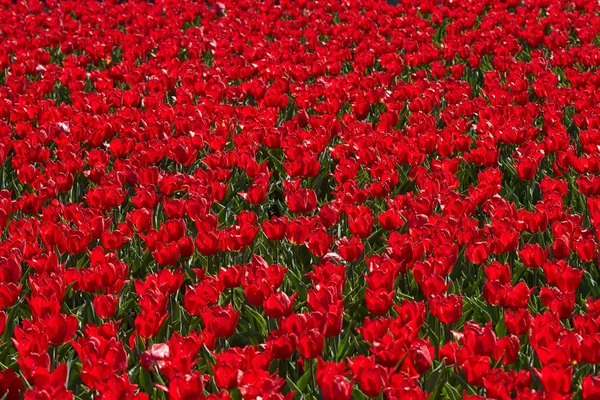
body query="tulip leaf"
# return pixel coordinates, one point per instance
(145, 381)
(261, 323)
(302, 383)
(451, 392)
(235, 394)
(357, 394)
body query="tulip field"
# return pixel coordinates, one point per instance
(298, 200)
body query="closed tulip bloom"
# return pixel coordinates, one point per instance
(279, 305)
(311, 343)
(446, 308)
(275, 227)
(221, 321)
(379, 301)
(335, 387)
(591, 388)
(555, 378)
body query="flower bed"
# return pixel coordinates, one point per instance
(268, 200)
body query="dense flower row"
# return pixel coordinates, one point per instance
(299, 199)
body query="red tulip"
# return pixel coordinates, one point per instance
(360, 221)
(479, 340)
(494, 292)
(517, 322)
(311, 343)
(279, 305)
(586, 250)
(560, 303)
(228, 367)
(533, 256)
(148, 323)
(186, 387)
(591, 388)
(555, 379)
(478, 252)
(371, 377)
(560, 272)
(526, 168)
(59, 328)
(516, 297)
(448, 353)
(319, 242)
(498, 272)
(497, 383)
(298, 230)
(231, 276)
(155, 355)
(221, 321)
(257, 192)
(561, 247)
(275, 228)
(329, 215)
(507, 349)
(11, 385)
(476, 368)
(3, 317)
(185, 246)
(590, 349)
(281, 344)
(105, 305)
(258, 383)
(422, 354)
(335, 387)
(446, 308)
(350, 249)
(379, 301)
(166, 255)
(301, 200)
(46, 384)
(207, 243)
(433, 286)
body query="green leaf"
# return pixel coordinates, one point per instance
(260, 321)
(500, 328)
(451, 393)
(302, 383)
(235, 394)
(145, 381)
(358, 395)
